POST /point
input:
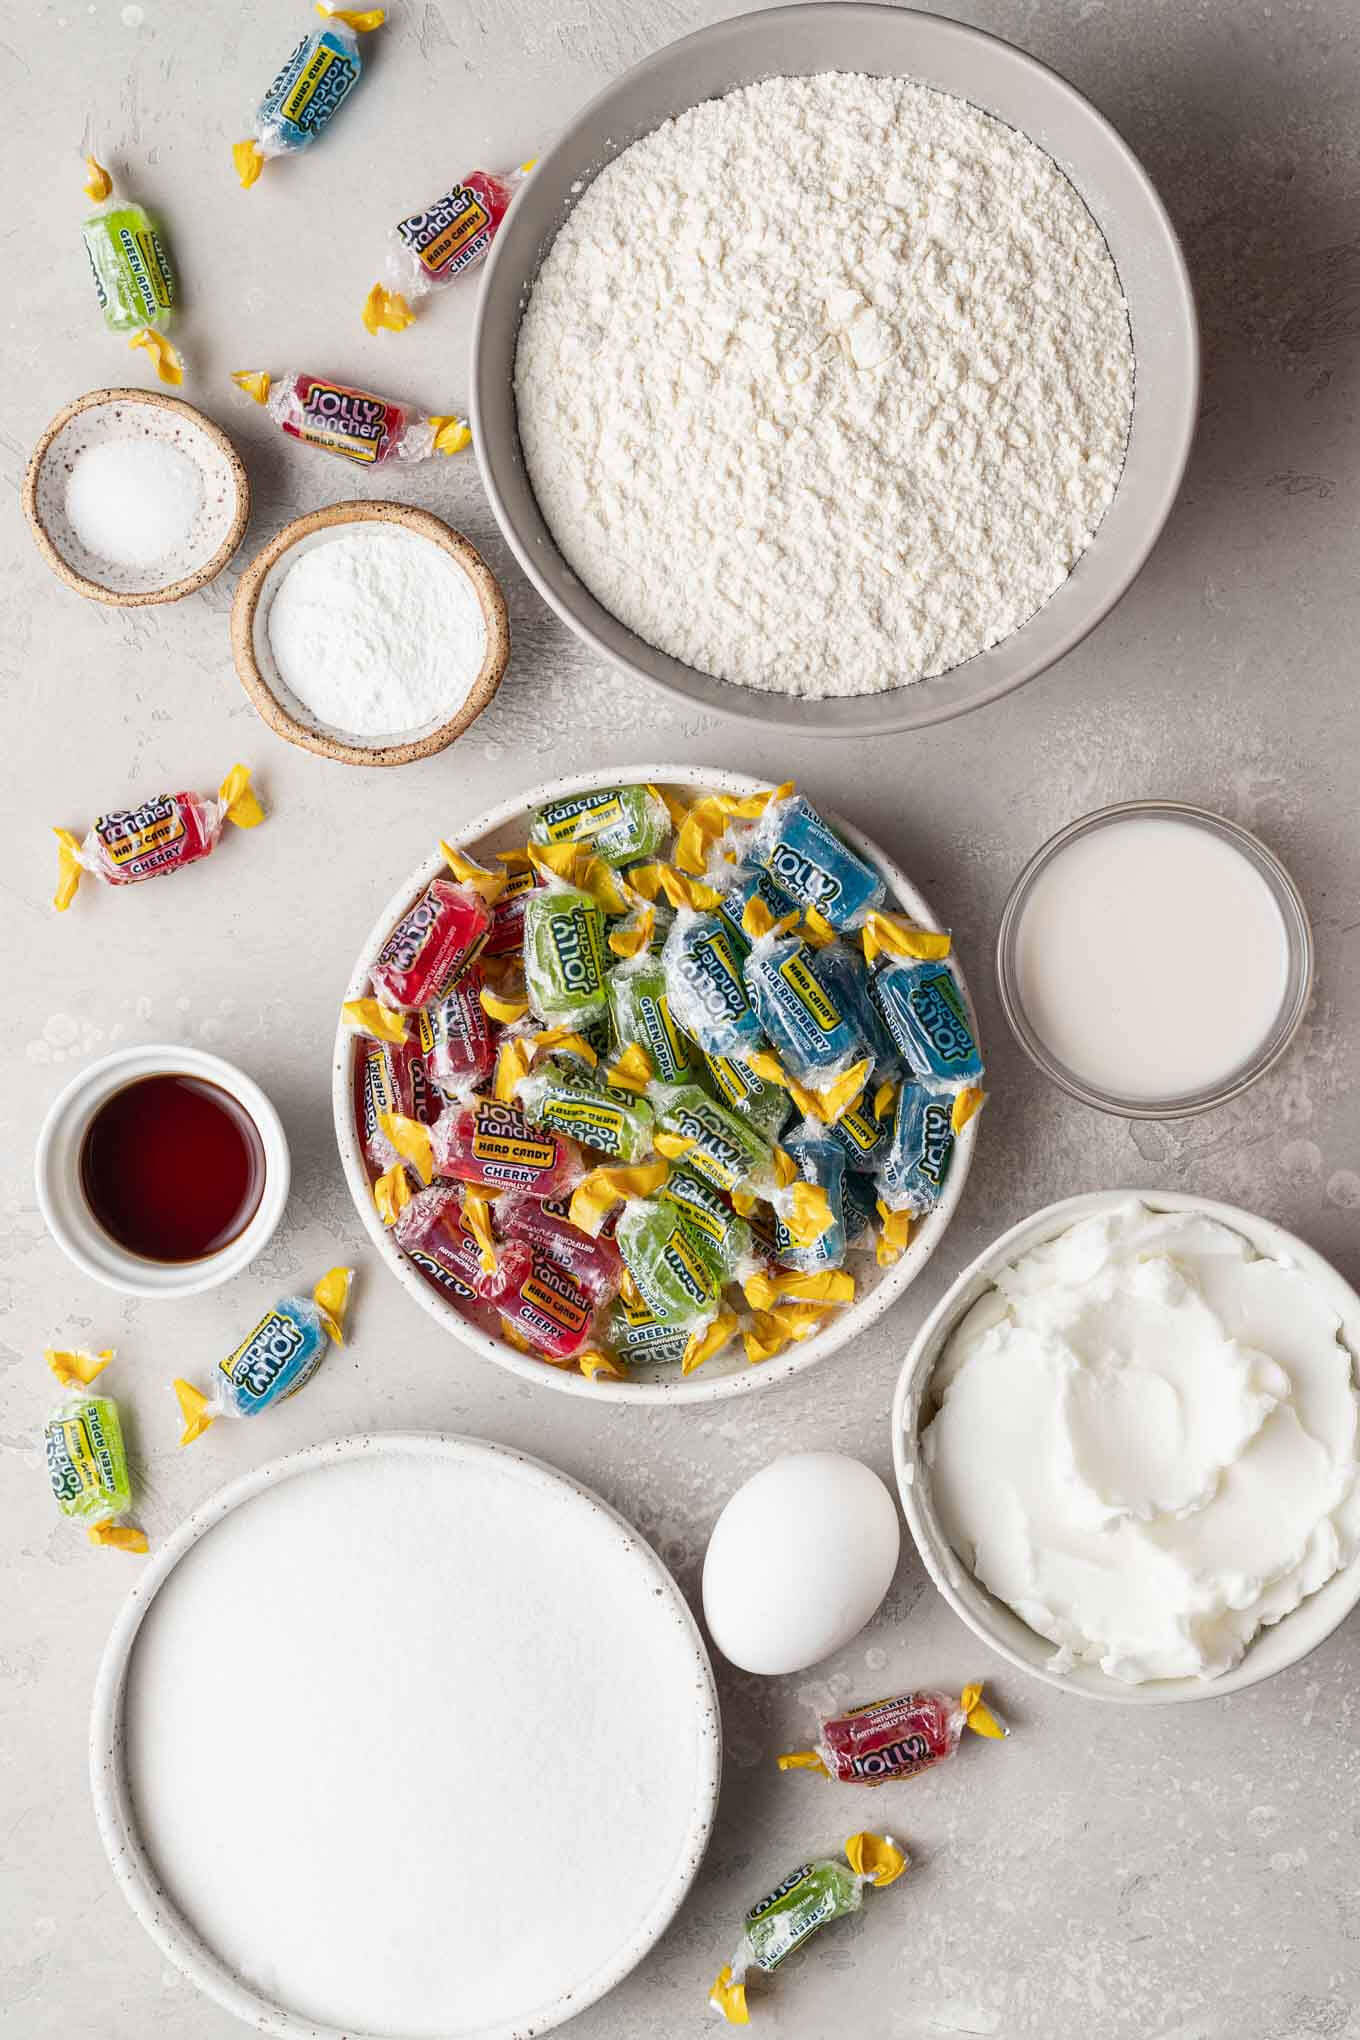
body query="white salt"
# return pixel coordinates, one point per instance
(377, 632)
(133, 502)
(414, 1743)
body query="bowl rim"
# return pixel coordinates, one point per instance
(1308, 1625)
(408, 517)
(115, 1814)
(1298, 935)
(700, 1387)
(174, 591)
(924, 702)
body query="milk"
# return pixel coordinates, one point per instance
(1151, 959)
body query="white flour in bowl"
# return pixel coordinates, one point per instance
(825, 386)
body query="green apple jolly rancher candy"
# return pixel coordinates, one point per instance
(811, 1896)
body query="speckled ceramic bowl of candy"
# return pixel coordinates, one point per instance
(558, 1295)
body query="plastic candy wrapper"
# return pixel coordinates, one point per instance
(595, 1265)
(507, 914)
(809, 1898)
(712, 1141)
(926, 1119)
(820, 1160)
(357, 424)
(757, 884)
(455, 1038)
(164, 834)
(431, 946)
(549, 1309)
(808, 860)
(392, 1079)
(846, 977)
(431, 1233)
(674, 1276)
(724, 1238)
(736, 1085)
(928, 1021)
(133, 277)
(312, 85)
(494, 1144)
(898, 1738)
(433, 248)
(86, 1460)
(859, 1208)
(816, 1038)
(863, 1135)
(566, 960)
(638, 1338)
(274, 1360)
(707, 990)
(565, 1094)
(620, 823)
(640, 1014)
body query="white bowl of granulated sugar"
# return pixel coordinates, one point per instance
(371, 633)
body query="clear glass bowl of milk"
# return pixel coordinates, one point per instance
(1154, 959)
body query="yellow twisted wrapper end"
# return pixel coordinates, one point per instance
(810, 1216)
(593, 1362)
(893, 1235)
(69, 869)
(967, 1102)
(635, 934)
(568, 1038)
(703, 1345)
(98, 183)
(802, 1760)
(451, 434)
(831, 1285)
(256, 382)
(169, 367)
(837, 1098)
(672, 1145)
(631, 1070)
(238, 801)
(331, 1297)
(75, 1368)
(980, 1718)
(512, 1065)
(386, 311)
(477, 1218)
(885, 1097)
(117, 1536)
(487, 884)
(506, 1010)
(757, 921)
(195, 1409)
(891, 934)
(729, 1998)
(708, 818)
(817, 929)
(371, 1017)
(876, 1858)
(597, 1193)
(361, 19)
(249, 160)
(411, 1141)
(772, 1330)
(392, 1193)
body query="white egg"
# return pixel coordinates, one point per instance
(799, 1561)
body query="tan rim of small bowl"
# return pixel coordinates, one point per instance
(489, 596)
(94, 591)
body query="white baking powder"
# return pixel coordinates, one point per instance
(825, 386)
(133, 502)
(413, 1743)
(377, 631)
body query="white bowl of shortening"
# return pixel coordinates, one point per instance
(371, 633)
(1166, 1457)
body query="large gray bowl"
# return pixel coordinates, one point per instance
(883, 41)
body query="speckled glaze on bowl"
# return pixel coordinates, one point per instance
(98, 419)
(275, 701)
(114, 1804)
(1003, 81)
(729, 1373)
(1275, 1648)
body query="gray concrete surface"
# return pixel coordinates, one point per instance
(1182, 1875)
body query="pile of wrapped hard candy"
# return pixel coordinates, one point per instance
(641, 1090)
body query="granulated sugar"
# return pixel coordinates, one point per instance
(132, 502)
(825, 386)
(413, 1743)
(377, 632)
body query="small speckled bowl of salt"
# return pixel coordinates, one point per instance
(133, 497)
(371, 633)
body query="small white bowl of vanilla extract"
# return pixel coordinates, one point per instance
(161, 1171)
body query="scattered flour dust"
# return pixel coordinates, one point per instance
(377, 632)
(825, 386)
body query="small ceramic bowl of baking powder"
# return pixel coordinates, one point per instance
(370, 633)
(134, 497)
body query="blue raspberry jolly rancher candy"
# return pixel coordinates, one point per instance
(927, 1019)
(274, 1360)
